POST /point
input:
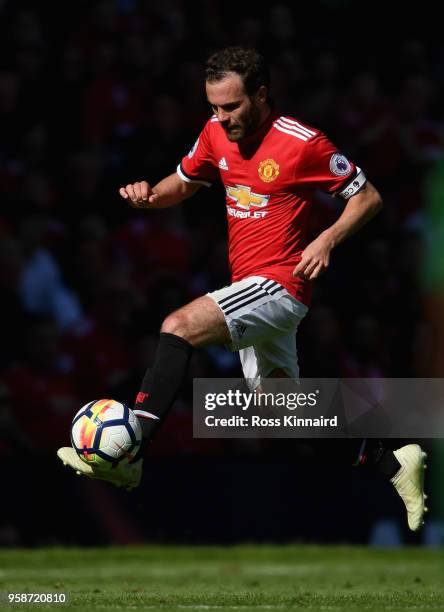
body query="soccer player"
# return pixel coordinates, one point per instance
(270, 166)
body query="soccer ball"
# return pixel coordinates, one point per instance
(105, 432)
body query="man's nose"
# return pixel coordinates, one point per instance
(223, 116)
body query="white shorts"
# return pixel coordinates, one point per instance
(262, 318)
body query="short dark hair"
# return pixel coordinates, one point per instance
(244, 61)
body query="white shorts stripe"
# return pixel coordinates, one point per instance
(237, 301)
(242, 304)
(269, 283)
(229, 297)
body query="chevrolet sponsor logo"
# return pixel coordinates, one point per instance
(245, 198)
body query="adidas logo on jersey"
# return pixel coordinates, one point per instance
(223, 164)
(241, 329)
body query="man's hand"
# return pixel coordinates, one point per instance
(168, 192)
(315, 258)
(139, 195)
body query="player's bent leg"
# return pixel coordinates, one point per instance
(212, 319)
(197, 324)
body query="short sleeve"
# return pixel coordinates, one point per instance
(322, 166)
(198, 166)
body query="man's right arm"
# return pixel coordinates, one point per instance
(168, 192)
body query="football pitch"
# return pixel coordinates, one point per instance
(235, 578)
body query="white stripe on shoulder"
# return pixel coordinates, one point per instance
(291, 132)
(293, 128)
(188, 180)
(214, 119)
(299, 125)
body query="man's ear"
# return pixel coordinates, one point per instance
(262, 94)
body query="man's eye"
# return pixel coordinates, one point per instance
(227, 108)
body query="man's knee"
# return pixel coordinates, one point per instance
(200, 323)
(176, 323)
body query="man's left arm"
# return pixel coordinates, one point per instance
(359, 209)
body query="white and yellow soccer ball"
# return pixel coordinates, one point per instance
(105, 432)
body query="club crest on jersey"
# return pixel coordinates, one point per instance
(339, 164)
(268, 170)
(245, 198)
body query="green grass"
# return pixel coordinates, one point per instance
(240, 578)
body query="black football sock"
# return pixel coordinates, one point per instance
(162, 382)
(382, 458)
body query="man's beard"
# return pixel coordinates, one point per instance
(250, 123)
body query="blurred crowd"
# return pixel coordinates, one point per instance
(94, 95)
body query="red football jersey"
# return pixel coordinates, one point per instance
(270, 179)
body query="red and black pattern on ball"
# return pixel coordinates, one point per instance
(87, 411)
